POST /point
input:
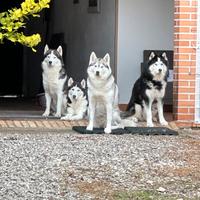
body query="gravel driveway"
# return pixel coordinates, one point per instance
(64, 165)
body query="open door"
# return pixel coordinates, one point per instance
(11, 61)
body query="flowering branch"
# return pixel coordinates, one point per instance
(13, 20)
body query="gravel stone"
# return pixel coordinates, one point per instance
(60, 165)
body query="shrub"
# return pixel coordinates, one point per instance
(14, 20)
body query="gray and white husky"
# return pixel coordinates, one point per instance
(102, 95)
(77, 102)
(54, 77)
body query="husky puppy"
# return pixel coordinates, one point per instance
(77, 100)
(150, 89)
(102, 95)
(54, 77)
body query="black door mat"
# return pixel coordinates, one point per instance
(82, 130)
(129, 130)
(151, 131)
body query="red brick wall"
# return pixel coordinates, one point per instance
(185, 33)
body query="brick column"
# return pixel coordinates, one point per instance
(185, 34)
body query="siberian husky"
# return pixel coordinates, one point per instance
(102, 95)
(54, 77)
(77, 102)
(150, 89)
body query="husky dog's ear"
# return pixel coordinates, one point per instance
(93, 58)
(46, 48)
(152, 55)
(60, 51)
(70, 82)
(164, 55)
(107, 59)
(83, 83)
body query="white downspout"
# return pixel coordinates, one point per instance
(197, 92)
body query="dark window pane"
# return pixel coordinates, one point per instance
(92, 3)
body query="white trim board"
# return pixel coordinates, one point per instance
(197, 92)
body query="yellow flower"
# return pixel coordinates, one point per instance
(14, 19)
(17, 13)
(9, 28)
(1, 36)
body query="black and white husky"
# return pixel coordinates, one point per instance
(77, 102)
(150, 89)
(102, 95)
(54, 77)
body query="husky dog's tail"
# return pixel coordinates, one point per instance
(130, 110)
(127, 113)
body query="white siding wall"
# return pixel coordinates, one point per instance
(142, 25)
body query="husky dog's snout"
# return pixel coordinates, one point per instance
(160, 70)
(97, 73)
(74, 96)
(50, 62)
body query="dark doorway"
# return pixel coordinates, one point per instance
(16, 68)
(11, 61)
(11, 69)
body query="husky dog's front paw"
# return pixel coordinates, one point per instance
(164, 123)
(58, 115)
(63, 118)
(46, 114)
(89, 128)
(76, 117)
(66, 117)
(107, 130)
(150, 124)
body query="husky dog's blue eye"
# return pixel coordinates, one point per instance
(78, 90)
(72, 89)
(95, 65)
